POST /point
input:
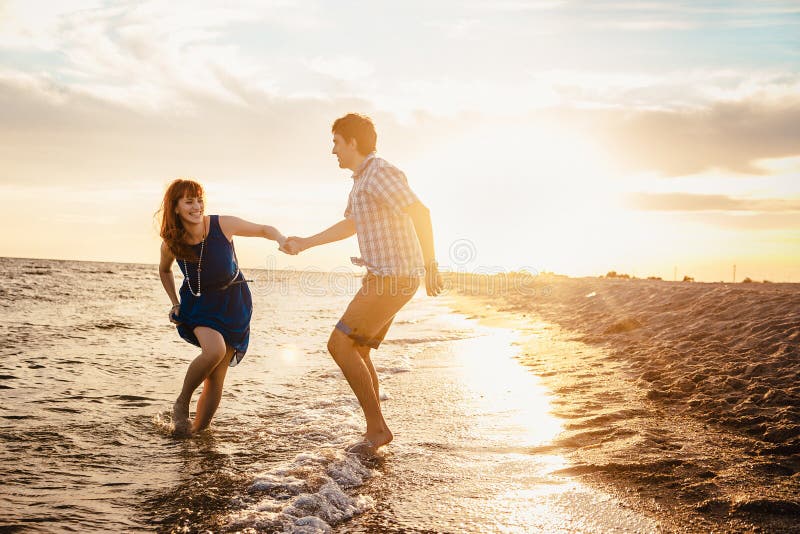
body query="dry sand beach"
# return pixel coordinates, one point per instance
(684, 398)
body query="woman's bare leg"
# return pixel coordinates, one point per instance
(213, 351)
(212, 393)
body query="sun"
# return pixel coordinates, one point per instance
(532, 194)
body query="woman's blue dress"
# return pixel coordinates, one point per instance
(225, 303)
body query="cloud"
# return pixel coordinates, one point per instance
(342, 67)
(694, 202)
(53, 134)
(672, 16)
(667, 90)
(725, 135)
(456, 29)
(645, 25)
(147, 53)
(35, 24)
(49, 129)
(518, 6)
(159, 80)
(780, 222)
(722, 211)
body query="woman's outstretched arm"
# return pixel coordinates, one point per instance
(232, 226)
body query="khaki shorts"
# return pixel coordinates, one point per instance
(372, 310)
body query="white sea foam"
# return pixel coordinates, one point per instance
(310, 494)
(270, 481)
(162, 421)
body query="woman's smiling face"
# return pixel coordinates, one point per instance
(190, 209)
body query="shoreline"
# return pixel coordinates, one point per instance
(357, 271)
(634, 427)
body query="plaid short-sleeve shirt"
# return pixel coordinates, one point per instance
(386, 236)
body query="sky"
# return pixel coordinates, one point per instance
(650, 138)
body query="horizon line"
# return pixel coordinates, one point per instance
(619, 276)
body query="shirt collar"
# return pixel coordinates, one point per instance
(363, 167)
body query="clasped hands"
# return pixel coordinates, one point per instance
(294, 245)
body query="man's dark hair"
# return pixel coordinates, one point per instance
(358, 127)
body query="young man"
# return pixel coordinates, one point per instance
(396, 242)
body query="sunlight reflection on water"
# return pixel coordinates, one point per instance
(471, 455)
(515, 406)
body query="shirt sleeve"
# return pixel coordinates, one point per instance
(348, 211)
(391, 187)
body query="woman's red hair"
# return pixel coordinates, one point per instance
(172, 231)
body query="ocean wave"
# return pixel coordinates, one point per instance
(310, 494)
(434, 338)
(111, 324)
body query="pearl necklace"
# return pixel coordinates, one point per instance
(199, 268)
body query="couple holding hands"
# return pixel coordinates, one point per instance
(395, 238)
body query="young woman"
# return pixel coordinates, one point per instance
(215, 306)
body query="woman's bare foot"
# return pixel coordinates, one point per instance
(180, 418)
(196, 428)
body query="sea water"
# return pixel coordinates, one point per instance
(90, 367)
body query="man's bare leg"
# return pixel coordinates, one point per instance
(357, 373)
(213, 352)
(363, 350)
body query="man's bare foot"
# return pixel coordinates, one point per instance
(379, 439)
(371, 443)
(180, 417)
(361, 448)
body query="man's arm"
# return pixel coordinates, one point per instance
(421, 217)
(341, 230)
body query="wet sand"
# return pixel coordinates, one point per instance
(473, 449)
(683, 399)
